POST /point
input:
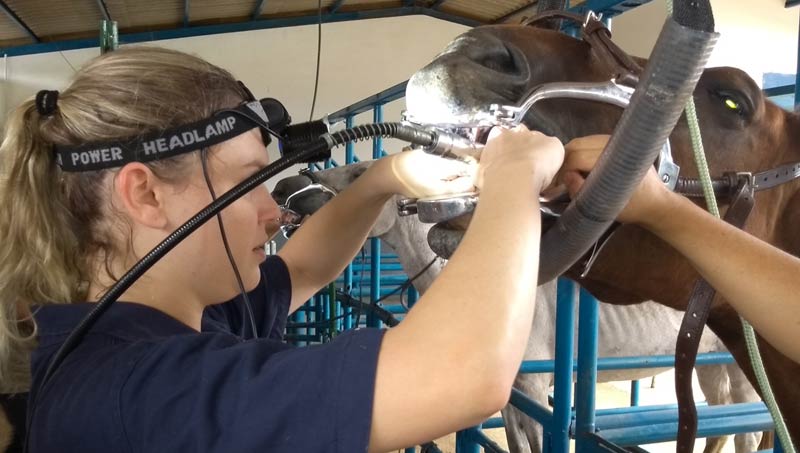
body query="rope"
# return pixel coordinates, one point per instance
(749, 334)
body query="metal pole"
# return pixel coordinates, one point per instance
(797, 77)
(375, 243)
(635, 390)
(587, 372)
(109, 39)
(348, 271)
(567, 296)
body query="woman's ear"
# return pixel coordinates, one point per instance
(141, 194)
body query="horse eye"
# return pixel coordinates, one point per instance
(733, 105)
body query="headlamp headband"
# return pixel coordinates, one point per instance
(220, 127)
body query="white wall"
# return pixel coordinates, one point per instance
(757, 36)
(359, 59)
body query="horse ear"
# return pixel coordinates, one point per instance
(550, 5)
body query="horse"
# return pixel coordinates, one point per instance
(742, 131)
(652, 325)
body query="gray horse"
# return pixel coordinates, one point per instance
(624, 330)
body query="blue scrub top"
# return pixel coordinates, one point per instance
(141, 381)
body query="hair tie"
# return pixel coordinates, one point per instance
(46, 101)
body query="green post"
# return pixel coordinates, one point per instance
(108, 36)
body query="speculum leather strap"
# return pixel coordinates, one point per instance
(693, 322)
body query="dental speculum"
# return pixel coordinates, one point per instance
(459, 137)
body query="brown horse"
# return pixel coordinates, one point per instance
(742, 130)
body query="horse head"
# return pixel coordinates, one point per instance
(742, 131)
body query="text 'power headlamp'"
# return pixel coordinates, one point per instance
(268, 114)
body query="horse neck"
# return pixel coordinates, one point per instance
(409, 238)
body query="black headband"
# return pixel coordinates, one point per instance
(220, 127)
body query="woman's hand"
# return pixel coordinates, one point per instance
(582, 155)
(518, 152)
(417, 174)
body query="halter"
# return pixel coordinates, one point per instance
(291, 219)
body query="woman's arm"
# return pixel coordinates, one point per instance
(760, 281)
(328, 240)
(452, 361)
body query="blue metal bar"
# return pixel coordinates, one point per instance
(20, 23)
(636, 387)
(347, 323)
(609, 8)
(349, 150)
(413, 296)
(375, 243)
(489, 446)
(531, 408)
(335, 6)
(185, 13)
(390, 94)
(706, 427)
(261, 24)
(565, 344)
(629, 363)
(639, 418)
(492, 423)
(103, 10)
(789, 4)
(797, 76)
(779, 91)
(629, 410)
(464, 444)
(587, 370)
(408, 3)
(259, 8)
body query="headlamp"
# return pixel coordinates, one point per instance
(268, 114)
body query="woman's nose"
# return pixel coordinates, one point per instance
(269, 211)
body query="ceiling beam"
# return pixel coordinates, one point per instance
(519, 10)
(335, 6)
(258, 9)
(103, 9)
(20, 23)
(185, 13)
(436, 4)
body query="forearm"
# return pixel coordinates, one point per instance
(469, 330)
(760, 281)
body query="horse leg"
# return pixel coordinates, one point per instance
(743, 392)
(522, 432)
(6, 431)
(715, 385)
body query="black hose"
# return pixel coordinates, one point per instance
(669, 79)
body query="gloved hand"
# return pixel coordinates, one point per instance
(417, 174)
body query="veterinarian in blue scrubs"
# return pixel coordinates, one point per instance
(165, 368)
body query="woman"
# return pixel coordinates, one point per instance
(163, 369)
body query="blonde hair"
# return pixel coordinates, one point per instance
(52, 222)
